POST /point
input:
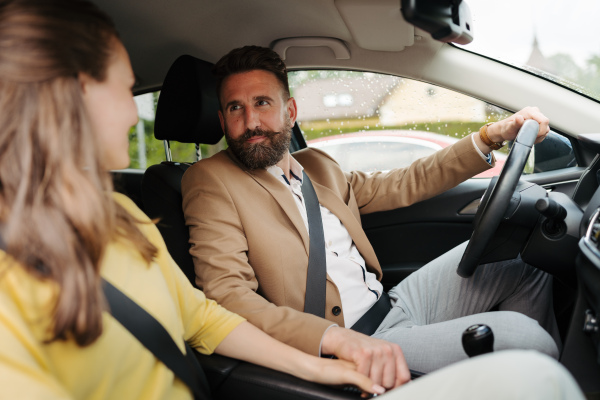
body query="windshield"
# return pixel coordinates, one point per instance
(556, 39)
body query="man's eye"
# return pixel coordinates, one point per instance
(234, 108)
(262, 103)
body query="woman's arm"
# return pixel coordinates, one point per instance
(248, 343)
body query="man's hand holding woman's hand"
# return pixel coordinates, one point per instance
(381, 361)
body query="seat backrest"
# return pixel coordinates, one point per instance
(187, 113)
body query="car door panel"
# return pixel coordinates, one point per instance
(405, 239)
(564, 180)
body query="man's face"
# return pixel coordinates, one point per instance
(256, 117)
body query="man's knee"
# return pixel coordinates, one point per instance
(513, 330)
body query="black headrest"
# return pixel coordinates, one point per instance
(188, 104)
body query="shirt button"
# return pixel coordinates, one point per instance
(336, 310)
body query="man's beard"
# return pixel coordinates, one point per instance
(262, 154)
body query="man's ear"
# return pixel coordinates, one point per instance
(292, 110)
(84, 80)
(222, 120)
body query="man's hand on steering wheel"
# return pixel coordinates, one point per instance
(507, 129)
(526, 127)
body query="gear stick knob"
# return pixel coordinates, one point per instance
(478, 339)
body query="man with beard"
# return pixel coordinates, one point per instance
(250, 242)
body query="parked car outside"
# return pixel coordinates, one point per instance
(387, 149)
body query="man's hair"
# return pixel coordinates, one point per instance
(250, 58)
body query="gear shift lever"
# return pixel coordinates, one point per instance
(478, 339)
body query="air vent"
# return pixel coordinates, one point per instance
(590, 244)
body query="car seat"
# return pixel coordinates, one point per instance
(186, 113)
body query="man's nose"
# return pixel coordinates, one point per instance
(252, 119)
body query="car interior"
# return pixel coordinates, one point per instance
(550, 217)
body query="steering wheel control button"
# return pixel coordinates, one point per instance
(478, 339)
(590, 324)
(336, 310)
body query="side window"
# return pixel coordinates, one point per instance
(555, 152)
(375, 122)
(145, 150)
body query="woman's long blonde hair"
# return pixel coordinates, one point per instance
(55, 201)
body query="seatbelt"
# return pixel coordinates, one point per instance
(316, 279)
(157, 340)
(146, 329)
(316, 276)
(371, 320)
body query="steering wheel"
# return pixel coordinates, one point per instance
(497, 198)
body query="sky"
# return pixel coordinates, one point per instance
(505, 29)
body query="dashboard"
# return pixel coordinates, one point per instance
(581, 352)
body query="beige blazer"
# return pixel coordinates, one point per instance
(250, 245)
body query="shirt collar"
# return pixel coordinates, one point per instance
(295, 171)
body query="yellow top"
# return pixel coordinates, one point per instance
(116, 365)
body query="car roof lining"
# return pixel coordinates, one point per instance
(156, 32)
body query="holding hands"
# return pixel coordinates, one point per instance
(380, 360)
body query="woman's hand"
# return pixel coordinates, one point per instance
(339, 372)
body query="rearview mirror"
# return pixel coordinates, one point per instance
(446, 20)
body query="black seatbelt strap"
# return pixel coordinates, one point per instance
(157, 340)
(316, 279)
(371, 320)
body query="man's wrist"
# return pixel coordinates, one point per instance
(488, 138)
(480, 147)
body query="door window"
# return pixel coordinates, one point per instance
(375, 122)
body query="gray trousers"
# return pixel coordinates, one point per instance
(433, 306)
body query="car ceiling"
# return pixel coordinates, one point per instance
(373, 32)
(156, 32)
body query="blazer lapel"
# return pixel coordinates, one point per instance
(283, 196)
(280, 193)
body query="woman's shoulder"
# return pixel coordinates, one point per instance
(25, 297)
(130, 207)
(142, 221)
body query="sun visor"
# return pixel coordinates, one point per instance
(376, 24)
(446, 20)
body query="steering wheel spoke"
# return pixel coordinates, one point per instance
(497, 198)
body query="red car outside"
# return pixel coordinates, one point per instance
(387, 149)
